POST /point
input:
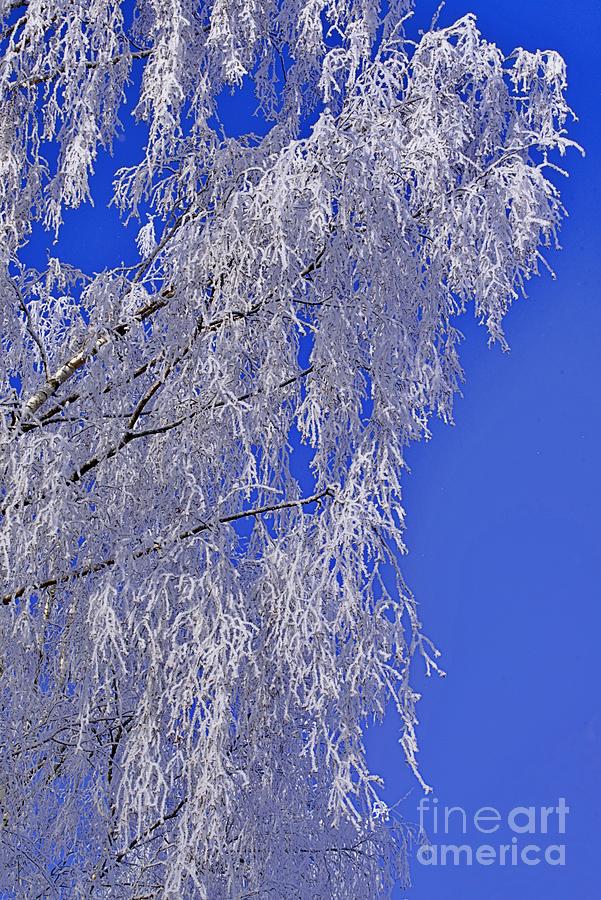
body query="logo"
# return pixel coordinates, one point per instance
(523, 835)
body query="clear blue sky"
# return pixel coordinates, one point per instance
(503, 521)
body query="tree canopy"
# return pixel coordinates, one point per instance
(192, 640)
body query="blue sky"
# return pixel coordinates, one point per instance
(502, 522)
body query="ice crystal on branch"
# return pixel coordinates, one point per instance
(192, 639)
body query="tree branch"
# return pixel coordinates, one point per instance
(138, 840)
(157, 545)
(34, 80)
(79, 359)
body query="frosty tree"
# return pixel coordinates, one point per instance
(191, 639)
